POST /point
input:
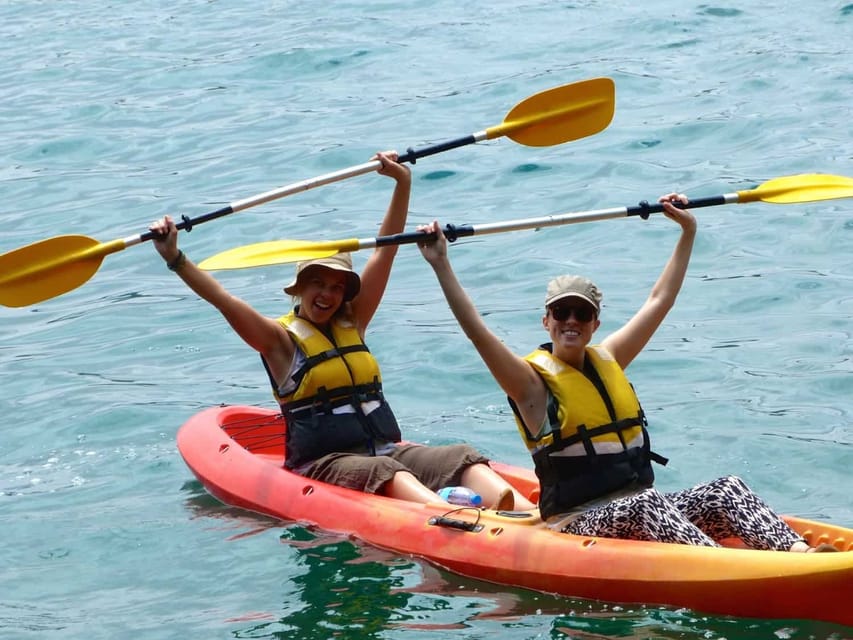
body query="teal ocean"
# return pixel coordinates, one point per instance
(113, 114)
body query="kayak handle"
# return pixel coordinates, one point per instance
(453, 523)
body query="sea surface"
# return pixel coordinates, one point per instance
(113, 114)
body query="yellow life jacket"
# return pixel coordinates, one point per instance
(606, 414)
(335, 368)
(594, 441)
(339, 372)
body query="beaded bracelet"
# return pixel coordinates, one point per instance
(178, 262)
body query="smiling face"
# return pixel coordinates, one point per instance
(570, 322)
(321, 291)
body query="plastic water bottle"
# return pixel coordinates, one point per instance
(462, 496)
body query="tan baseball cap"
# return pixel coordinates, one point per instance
(337, 262)
(573, 286)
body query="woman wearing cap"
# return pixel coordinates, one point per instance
(582, 423)
(340, 427)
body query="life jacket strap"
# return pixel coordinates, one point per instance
(328, 399)
(585, 435)
(334, 352)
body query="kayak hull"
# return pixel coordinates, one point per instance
(237, 453)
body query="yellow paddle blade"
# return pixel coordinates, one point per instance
(560, 114)
(264, 254)
(806, 187)
(48, 268)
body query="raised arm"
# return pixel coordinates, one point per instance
(374, 277)
(514, 375)
(627, 342)
(259, 332)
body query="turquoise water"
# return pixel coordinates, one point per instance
(114, 114)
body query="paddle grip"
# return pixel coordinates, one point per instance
(451, 231)
(187, 223)
(412, 155)
(644, 209)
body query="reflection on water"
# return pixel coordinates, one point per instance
(347, 589)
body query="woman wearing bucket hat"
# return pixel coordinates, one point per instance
(340, 427)
(583, 425)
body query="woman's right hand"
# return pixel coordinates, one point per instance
(166, 240)
(432, 249)
(677, 213)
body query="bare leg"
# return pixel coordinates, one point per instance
(405, 486)
(493, 488)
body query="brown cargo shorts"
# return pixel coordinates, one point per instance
(436, 467)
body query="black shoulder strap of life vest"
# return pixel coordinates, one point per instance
(592, 375)
(316, 359)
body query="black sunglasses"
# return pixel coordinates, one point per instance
(563, 312)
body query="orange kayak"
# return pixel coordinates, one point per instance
(237, 453)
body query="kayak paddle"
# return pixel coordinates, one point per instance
(786, 190)
(51, 267)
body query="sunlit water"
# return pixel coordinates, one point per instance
(114, 114)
